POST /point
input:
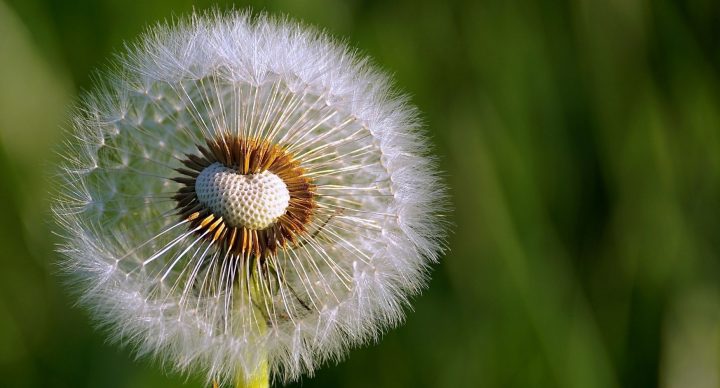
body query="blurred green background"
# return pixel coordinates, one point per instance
(581, 141)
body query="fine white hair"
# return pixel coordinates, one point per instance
(155, 283)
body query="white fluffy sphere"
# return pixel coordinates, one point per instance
(243, 189)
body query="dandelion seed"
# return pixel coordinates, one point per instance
(246, 194)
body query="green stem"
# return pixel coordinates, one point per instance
(259, 379)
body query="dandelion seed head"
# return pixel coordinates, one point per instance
(245, 188)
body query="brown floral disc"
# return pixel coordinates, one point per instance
(246, 157)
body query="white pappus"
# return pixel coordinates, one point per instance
(244, 191)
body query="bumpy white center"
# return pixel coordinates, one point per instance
(254, 201)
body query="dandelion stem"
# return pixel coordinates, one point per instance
(259, 379)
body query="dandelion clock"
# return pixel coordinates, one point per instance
(246, 198)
